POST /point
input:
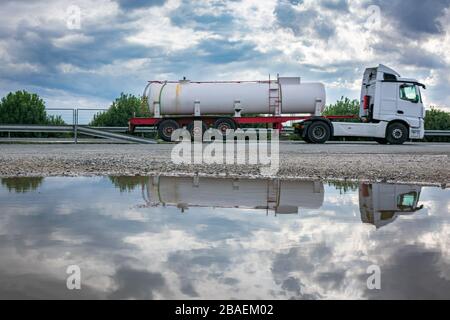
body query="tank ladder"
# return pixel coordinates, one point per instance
(273, 195)
(274, 97)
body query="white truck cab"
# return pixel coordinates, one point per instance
(388, 98)
(381, 204)
(391, 111)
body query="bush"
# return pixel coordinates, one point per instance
(22, 184)
(128, 184)
(22, 107)
(343, 107)
(121, 110)
(437, 119)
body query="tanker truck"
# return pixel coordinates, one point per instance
(379, 204)
(391, 107)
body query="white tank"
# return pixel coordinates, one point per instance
(218, 98)
(236, 193)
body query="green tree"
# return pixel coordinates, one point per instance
(22, 184)
(22, 107)
(128, 183)
(121, 110)
(344, 186)
(55, 121)
(343, 107)
(437, 119)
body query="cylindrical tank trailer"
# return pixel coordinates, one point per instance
(279, 196)
(282, 96)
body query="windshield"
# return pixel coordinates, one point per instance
(410, 92)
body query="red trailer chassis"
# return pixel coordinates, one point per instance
(168, 124)
(276, 121)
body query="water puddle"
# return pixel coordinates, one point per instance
(192, 238)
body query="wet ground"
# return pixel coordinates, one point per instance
(418, 163)
(171, 238)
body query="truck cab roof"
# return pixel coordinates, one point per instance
(386, 74)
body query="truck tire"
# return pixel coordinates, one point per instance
(224, 124)
(190, 128)
(381, 140)
(306, 139)
(397, 133)
(319, 132)
(166, 128)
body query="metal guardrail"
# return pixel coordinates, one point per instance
(34, 128)
(437, 133)
(111, 135)
(114, 132)
(101, 132)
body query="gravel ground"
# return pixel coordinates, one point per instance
(422, 163)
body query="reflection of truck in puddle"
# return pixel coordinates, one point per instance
(380, 204)
(281, 197)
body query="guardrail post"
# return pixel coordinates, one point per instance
(75, 125)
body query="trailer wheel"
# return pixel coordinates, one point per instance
(397, 133)
(224, 124)
(166, 128)
(191, 127)
(318, 132)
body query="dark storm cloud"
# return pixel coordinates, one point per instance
(415, 17)
(137, 284)
(191, 264)
(287, 17)
(97, 48)
(292, 284)
(409, 54)
(218, 19)
(338, 5)
(301, 22)
(138, 4)
(42, 286)
(413, 273)
(226, 51)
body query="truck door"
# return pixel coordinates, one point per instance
(409, 106)
(389, 99)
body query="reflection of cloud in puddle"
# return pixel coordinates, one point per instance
(151, 253)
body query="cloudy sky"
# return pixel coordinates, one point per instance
(117, 45)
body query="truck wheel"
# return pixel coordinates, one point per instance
(381, 140)
(224, 124)
(166, 128)
(306, 139)
(190, 127)
(397, 133)
(318, 132)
